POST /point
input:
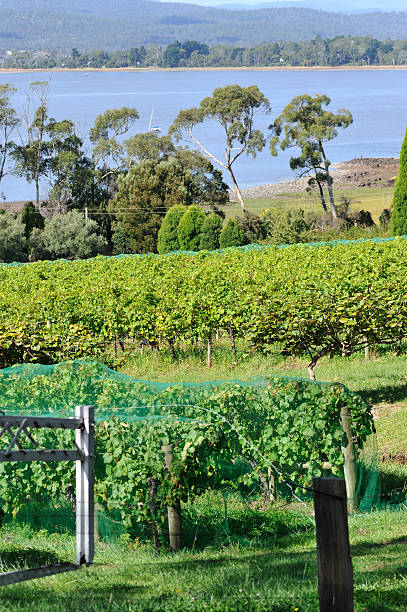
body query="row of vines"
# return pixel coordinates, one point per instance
(267, 436)
(301, 300)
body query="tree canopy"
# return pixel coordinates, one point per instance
(306, 123)
(9, 120)
(234, 108)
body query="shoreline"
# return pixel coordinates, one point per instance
(208, 69)
(357, 173)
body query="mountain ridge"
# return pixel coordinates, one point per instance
(336, 6)
(122, 24)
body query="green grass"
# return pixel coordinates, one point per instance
(391, 426)
(373, 199)
(380, 380)
(276, 574)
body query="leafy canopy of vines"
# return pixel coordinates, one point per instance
(303, 300)
(231, 435)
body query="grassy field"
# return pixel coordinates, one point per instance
(263, 560)
(380, 380)
(373, 199)
(277, 573)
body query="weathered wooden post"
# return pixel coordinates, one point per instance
(209, 353)
(349, 463)
(174, 509)
(335, 572)
(367, 348)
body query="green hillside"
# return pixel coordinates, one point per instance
(109, 24)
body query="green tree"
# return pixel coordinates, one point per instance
(75, 57)
(31, 158)
(308, 125)
(31, 218)
(168, 232)
(144, 194)
(189, 229)
(67, 236)
(210, 233)
(173, 54)
(148, 147)
(209, 186)
(105, 136)
(398, 222)
(231, 235)
(208, 182)
(12, 238)
(8, 123)
(64, 156)
(309, 163)
(234, 108)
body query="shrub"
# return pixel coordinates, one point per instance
(67, 236)
(385, 217)
(399, 217)
(210, 233)
(168, 232)
(31, 218)
(287, 227)
(231, 235)
(253, 228)
(189, 229)
(12, 238)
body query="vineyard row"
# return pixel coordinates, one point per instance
(333, 299)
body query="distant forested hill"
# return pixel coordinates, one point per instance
(121, 24)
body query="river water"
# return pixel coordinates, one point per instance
(376, 98)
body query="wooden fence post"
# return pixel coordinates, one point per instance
(209, 353)
(85, 505)
(367, 348)
(349, 464)
(173, 510)
(335, 572)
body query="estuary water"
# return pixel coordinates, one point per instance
(376, 98)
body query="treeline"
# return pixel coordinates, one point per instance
(338, 51)
(118, 25)
(143, 192)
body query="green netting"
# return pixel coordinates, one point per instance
(260, 441)
(242, 249)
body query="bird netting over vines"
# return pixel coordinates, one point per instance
(264, 438)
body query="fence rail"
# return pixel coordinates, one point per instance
(18, 428)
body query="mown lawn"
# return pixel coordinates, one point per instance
(277, 575)
(380, 380)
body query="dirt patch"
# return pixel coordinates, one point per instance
(13, 206)
(353, 174)
(388, 457)
(385, 410)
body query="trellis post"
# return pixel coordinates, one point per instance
(174, 509)
(335, 572)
